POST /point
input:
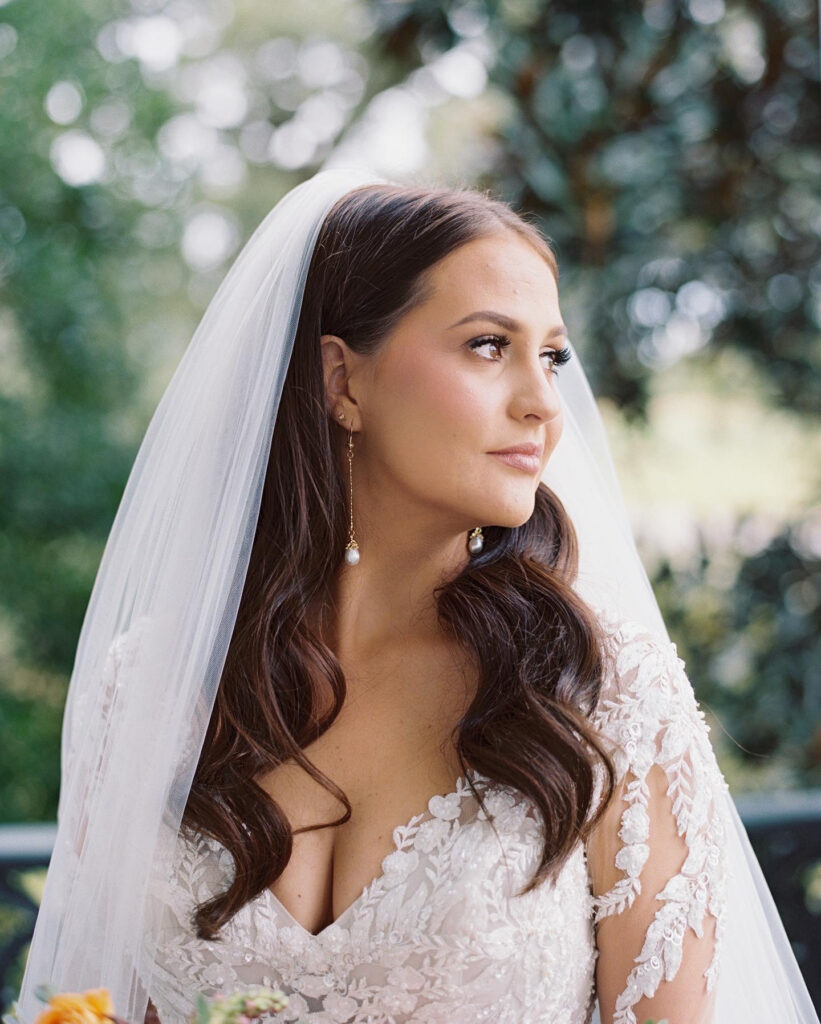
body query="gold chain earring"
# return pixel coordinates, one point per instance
(351, 548)
(476, 540)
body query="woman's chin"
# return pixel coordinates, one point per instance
(509, 517)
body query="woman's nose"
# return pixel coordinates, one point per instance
(536, 393)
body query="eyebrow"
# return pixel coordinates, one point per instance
(507, 322)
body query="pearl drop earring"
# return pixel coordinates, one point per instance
(351, 548)
(476, 540)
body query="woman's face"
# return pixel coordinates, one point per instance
(444, 391)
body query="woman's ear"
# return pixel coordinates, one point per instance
(337, 365)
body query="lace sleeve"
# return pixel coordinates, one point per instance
(656, 860)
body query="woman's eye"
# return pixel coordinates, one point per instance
(561, 356)
(557, 357)
(499, 341)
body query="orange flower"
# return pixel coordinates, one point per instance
(90, 1007)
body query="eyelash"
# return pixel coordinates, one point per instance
(560, 356)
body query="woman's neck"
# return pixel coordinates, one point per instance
(384, 602)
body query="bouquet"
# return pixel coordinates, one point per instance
(94, 1006)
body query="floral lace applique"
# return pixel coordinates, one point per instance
(649, 718)
(437, 936)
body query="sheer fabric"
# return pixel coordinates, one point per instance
(634, 919)
(658, 859)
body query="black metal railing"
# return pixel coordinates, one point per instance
(784, 829)
(25, 851)
(785, 832)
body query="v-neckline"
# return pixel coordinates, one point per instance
(462, 790)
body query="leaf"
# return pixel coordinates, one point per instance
(203, 1009)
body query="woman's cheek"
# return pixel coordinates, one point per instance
(553, 435)
(457, 424)
(460, 405)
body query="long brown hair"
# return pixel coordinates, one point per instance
(537, 644)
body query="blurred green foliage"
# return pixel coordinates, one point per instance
(63, 251)
(667, 149)
(671, 152)
(748, 626)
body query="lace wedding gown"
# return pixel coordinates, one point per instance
(439, 937)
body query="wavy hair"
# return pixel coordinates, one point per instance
(512, 608)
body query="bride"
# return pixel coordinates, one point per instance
(373, 701)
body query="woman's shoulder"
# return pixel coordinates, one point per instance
(647, 707)
(190, 868)
(638, 660)
(625, 635)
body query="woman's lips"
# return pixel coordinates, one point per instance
(529, 463)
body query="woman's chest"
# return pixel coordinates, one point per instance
(391, 747)
(444, 929)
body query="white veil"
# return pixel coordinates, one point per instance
(172, 573)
